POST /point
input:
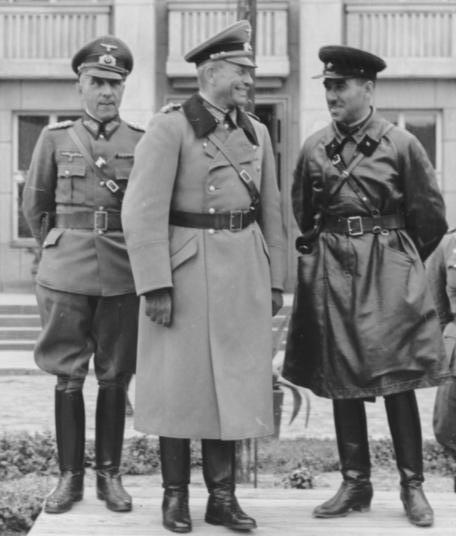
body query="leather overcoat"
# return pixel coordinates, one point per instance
(363, 321)
(209, 374)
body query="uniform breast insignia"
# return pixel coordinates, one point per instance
(135, 126)
(61, 124)
(170, 107)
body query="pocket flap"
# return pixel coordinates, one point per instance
(71, 169)
(184, 253)
(53, 237)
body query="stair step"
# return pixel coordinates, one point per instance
(18, 309)
(19, 320)
(15, 333)
(16, 345)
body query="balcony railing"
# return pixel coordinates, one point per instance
(416, 39)
(40, 39)
(191, 23)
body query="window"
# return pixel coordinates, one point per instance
(426, 126)
(28, 129)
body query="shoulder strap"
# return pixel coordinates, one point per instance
(110, 184)
(243, 174)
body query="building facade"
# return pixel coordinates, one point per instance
(38, 38)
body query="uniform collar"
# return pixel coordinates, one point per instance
(366, 138)
(97, 128)
(204, 122)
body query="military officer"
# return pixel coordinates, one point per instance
(85, 287)
(366, 200)
(204, 233)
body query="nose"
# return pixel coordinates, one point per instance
(106, 88)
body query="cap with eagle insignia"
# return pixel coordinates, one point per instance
(232, 44)
(348, 62)
(104, 57)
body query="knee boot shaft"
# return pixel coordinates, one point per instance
(70, 437)
(175, 467)
(405, 426)
(110, 424)
(355, 493)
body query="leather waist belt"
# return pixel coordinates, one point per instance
(234, 220)
(98, 220)
(359, 225)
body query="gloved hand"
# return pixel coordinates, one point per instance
(159, 306)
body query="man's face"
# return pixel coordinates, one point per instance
(230, 84)
(348, 99)
(101, 97)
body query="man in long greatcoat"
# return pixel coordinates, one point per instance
(204, 234)
(363, 324)
(85, 289)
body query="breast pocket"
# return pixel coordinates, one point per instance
(71, 183)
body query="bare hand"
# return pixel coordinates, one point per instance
(159, 306)
(277, 301)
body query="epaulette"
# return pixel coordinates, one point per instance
(61, 124)
(135, 126)
(170, 107)
(254, 116)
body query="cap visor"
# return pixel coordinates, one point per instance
(102, 73)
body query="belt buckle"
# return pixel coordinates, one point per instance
(100, 221)
(355, 226)
(236, 217)
(113, 186)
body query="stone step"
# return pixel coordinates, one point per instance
(19, 320)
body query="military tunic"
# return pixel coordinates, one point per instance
(85, 287)
(363, 322)
(209, 374)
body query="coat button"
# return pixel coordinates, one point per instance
(211, 231)
(212, 210)
(212, 188)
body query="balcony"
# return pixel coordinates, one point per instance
(39, 40)
(191, 23)
(415, 39)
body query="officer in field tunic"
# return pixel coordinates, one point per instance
(85, 288)
(204, 233)
(366, 200)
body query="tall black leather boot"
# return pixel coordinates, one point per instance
(110, 423)
(404, 423)
(356, 492)
(219, 471)
(70, 436)
(175, 467)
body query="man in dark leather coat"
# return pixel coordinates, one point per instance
(85, 288)
(363, 325)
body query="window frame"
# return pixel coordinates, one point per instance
(438, 114)
(17, 176)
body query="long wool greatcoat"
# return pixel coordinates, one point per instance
(363, 322)
(208, 375)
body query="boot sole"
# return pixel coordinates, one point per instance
(360, 509)
(51, 510)
(114, 508)
(215, 521)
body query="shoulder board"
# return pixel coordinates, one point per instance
(254, 116)
(61, 124)
(135, 126)
(170, 107)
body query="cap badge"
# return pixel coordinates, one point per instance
(107, 59)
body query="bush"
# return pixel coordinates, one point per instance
(21, 503)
